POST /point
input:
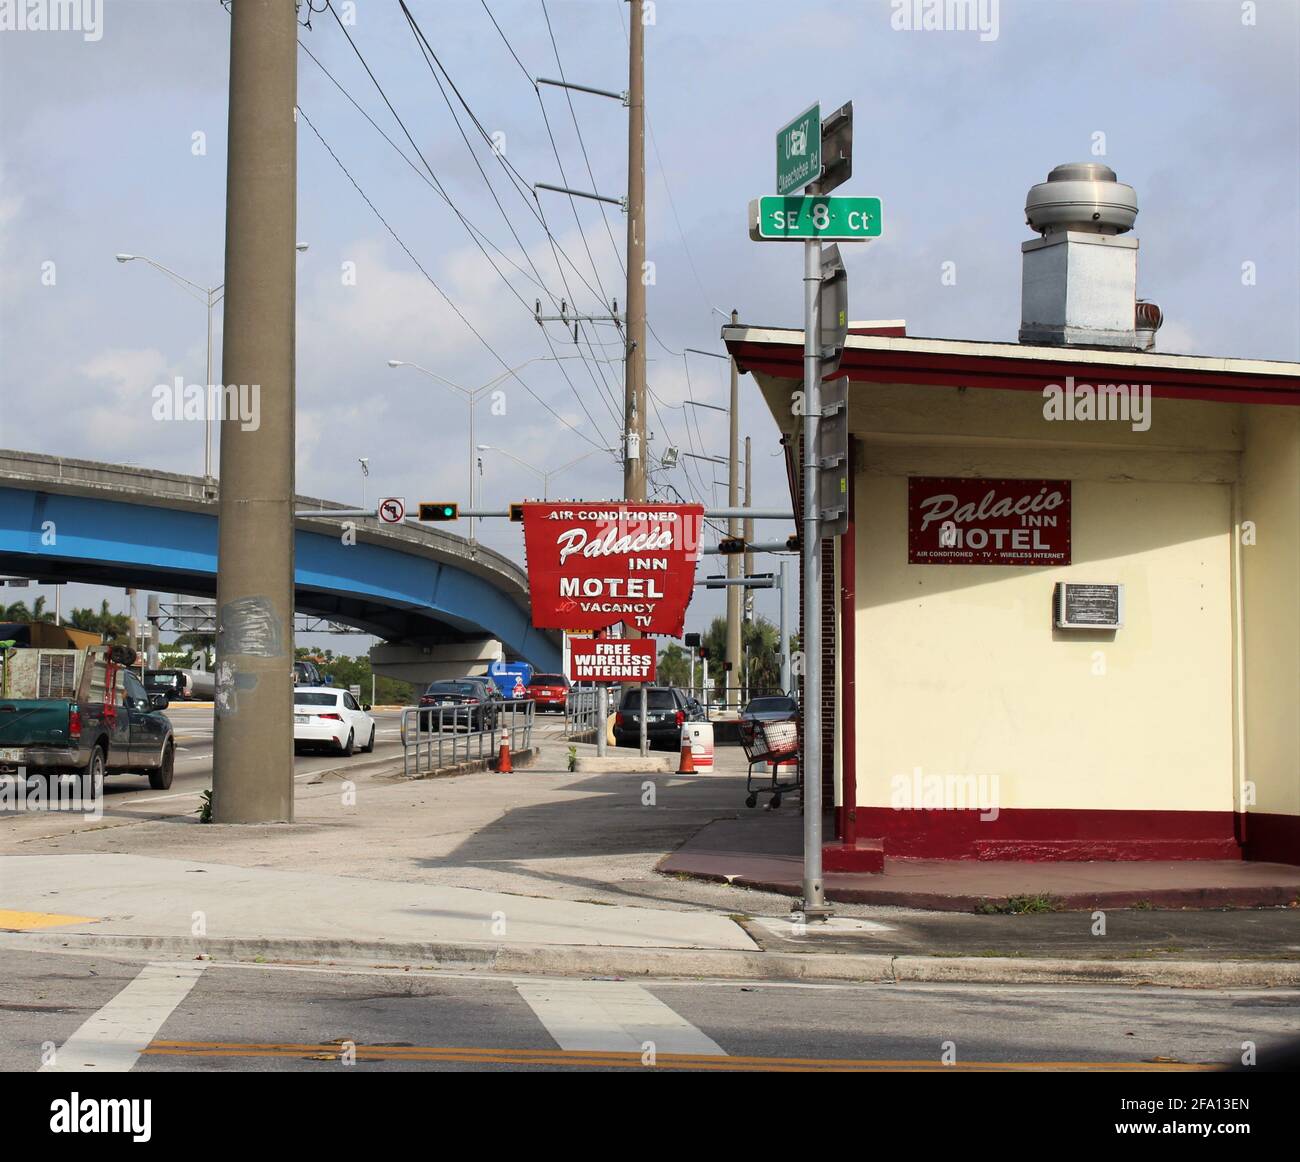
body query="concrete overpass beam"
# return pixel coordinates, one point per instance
(423, 664)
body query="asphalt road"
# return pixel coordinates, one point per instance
(193, 728)
(183, 1016)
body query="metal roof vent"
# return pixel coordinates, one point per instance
(1079, 285)
(1081, 196)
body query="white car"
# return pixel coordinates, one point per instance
(328, 716)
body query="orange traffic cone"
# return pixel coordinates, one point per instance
(687, 764)
(504, 766)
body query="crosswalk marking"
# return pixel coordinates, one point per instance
(112, 1040)
(613, 1016)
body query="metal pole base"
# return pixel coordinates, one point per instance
(819, 910)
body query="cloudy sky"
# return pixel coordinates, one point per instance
(118, 144)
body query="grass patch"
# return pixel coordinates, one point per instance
(1018, 906)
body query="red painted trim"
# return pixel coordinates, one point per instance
(927, 368)
(1059, 834)
(848, 828)
(889, 332)
(1272, 838)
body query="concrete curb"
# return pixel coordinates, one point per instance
(518, 758)
(589, 960)
(1259, 896)
(625, 764)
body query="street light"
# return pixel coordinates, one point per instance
(364, 461)
(472, 396)
(211, 296)
(544, 476)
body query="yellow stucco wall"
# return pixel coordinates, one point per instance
(1270, 501)
(960, 671)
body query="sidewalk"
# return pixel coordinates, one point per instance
(546, 871)
(764, 851)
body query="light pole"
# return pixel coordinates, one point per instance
(544, 476)
(211, 296)
(472, 396)
(364, 461)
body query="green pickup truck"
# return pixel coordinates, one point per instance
(82, 712)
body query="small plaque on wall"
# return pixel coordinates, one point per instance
(1079, 606)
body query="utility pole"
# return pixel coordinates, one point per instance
(253, 738)
(634, 452)
(735, 562)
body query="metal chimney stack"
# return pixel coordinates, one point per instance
(1080, 276)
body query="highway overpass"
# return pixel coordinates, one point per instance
(442, 606)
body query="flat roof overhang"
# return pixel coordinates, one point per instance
(778, 352)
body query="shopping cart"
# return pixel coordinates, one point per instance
(774, 743)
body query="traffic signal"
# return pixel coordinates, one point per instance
(729, 546)
(692, 641)
(517, 513)
(439, 511)
(704, 653)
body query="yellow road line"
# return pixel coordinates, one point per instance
(594, 1058)
(26, 921)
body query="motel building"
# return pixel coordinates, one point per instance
(1064, 622)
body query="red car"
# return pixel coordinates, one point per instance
(549, 691)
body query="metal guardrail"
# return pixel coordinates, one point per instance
(581, 712)
(434, 737)
(717, 697)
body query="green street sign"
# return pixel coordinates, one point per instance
(773, 219)
(799, 151)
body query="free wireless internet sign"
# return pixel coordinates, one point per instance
(593, 565)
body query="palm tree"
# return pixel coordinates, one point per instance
(113, 627)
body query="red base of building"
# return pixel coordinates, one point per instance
(1021, 834)
(866, 855)
(1270, 838)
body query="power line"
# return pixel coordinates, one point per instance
(431, 59)
(434, 185)
(582, 144)
(420, 154)
(433, 283)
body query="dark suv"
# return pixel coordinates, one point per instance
(667, 710)
(472, 703)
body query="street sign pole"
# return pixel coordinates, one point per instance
(814, 899)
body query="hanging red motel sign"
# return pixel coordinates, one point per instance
(612, 659)
(959, 521)
(593, 565)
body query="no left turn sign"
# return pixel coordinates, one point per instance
(392, 510)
